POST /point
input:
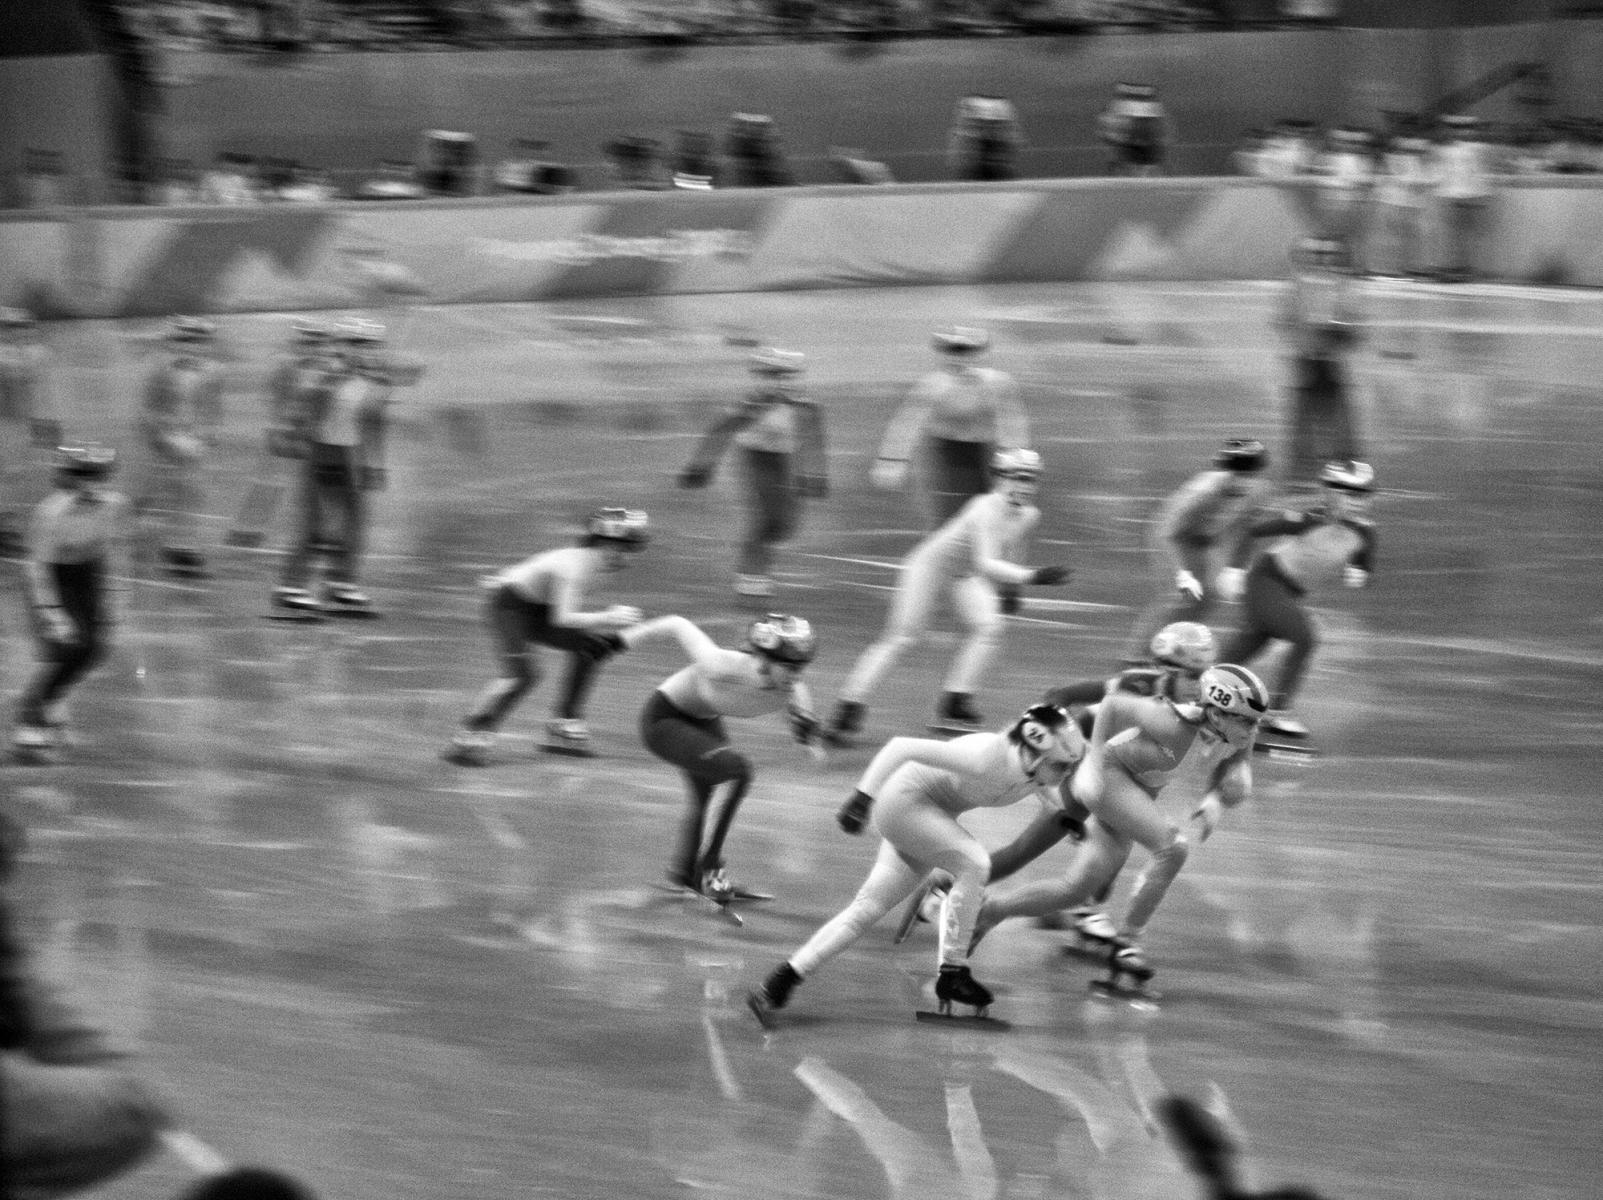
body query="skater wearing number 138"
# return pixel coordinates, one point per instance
(916, 789)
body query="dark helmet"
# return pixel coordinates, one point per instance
(85, 461)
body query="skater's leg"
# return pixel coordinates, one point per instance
(737, 769)
(922, 832)
(980, 610)
(771, 504)
(1095, 865)
(890, 881)
(506, 615)
(699, 748)
(349, 502)
(917, 587)
(297, 567)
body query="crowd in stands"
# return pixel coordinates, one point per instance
(312, 25)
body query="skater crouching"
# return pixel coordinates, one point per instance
(915, 789)
(537, 602)
(682, 723)
(1137, 744)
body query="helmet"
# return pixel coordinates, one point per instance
(86, 461)
(777, 363)
(1045, 733)
(1234, 690)
(1348, 475)
(961, 339)
(1241, 454)
(359, 331)
(783, 638)
(191, 329)
(626, 526)
(1184, 644)
(1016, 464)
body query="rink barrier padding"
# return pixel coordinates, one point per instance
(142, 262)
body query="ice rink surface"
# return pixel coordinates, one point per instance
(406, 980)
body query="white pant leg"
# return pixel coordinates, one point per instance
(917, 588)
(980, 610)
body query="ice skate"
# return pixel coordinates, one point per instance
(1094, 933)
(773, 995)
(957, 715)
(956, 985)
(345, 600)
(34, 742)
(567, 736)
(1126, 959)
(720, 889)
(754, 587)
(1283, 737)
(183, 563)
(470, 748)
(845, 723)
(295, 604)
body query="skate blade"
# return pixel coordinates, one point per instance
(303, 618)
(953, 729)
(1091, 951)
(838, 741)
(352, 614)
(1289, 752)
(680, 892)
(1130, 994)
(462, 758)
(567, 750)
(763, 1013)
(749, 894)
(966, 1022)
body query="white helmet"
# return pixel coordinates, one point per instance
(1016, 464)
(1047, 736)
(626, 526)
(1184, 644)
(1234, 690)
(783, 638)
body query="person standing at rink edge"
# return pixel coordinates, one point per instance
(28, 423)
(337, 426)
(914, 790)
(181, 410)
(973, 556)
(780, 435)
(537, 602)
(1200, 539)
(683, 724)
(950, 425)
(78, 542)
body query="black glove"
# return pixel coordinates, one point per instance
(804, 727)
(598, 647)
(1011, 597)
(1049, 576)
(695, 477)
(853, 815)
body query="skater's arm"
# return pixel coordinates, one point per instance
(949, 756)
(812, 457)
(704, 459)
(1049, 828)
(1230, 785)
(698, 647)
(39, 578)
(565, 595)
(991, 550)
(896, 446)
(1072, 695)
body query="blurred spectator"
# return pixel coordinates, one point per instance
(308, 185)
(1345, 176)
(1288, 152)
(530, 169)
(177, 182)
(43, 181)
(1402, 188)
(1462, 165)
(635, 163)
(984, 140)
(695, 162)
(755, 156)
(1137, 131)
(231, 180)
(395, 180)
(848, 164)
(75, 1116)
(449, 163)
